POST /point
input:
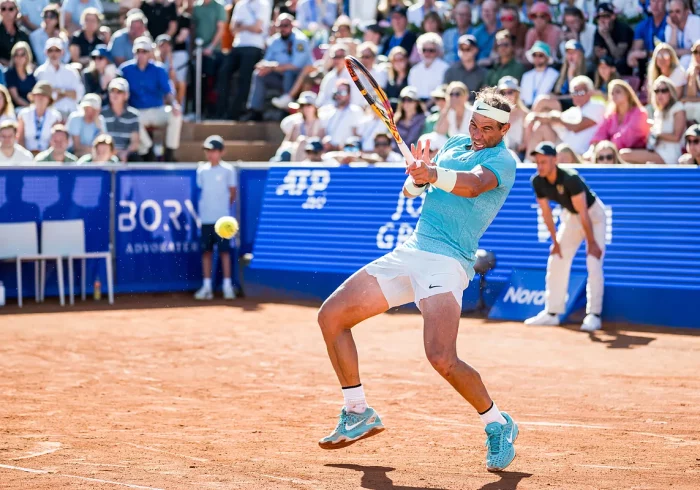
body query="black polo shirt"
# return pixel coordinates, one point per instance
(7, 41)
(159, 16)
(621, 33)
(84, 45)
(568, 183)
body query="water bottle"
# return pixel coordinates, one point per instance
(651, 141)
(2, 294)
(97, 290)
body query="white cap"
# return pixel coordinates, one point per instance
(143, 42)
(91, 100)
(53, 42)
(120, 84)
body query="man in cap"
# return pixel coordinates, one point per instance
(337, 73)
(314, 150)
(582, 218)
(541, 79)
(507, 65)
(468, 183)
(613, 38)
(466, 70)
(692, 146)
(122, 121)
(58, 151)
(401, 36)
(217, 183)
(85, 124)
(153, 94)
(122, 43)
(462, 14)
(67, 86)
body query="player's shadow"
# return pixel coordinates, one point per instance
(376, 478)
(617, 340)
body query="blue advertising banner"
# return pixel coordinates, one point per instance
(36, 194)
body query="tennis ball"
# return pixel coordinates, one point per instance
(226, 227)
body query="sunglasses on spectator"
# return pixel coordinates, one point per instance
(696, 52)
(54, 50)
(399, 58)
(98, 57)
(539, 16)
(661, 90)
(7, 9)
(604, 16)
(285, 24)
(692, 141)
(381, 143)
(606, 158)
(507, 92)
(141, 51)
(367, 56)
(579, 93)
(507, 18)
(340, 93)
(465, 47)
(338, 57)
(456, 94)
(20, 54)
(408, 99)
(429, 50)
(51, 15)
(538, 55)
(503, 45)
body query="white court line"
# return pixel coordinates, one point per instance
(292, 480)
(54, 446)
(201, 460)
(44, 472)
(564, 424)
(18, 468)
(608, 467)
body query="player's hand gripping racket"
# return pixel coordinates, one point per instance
(378, 101)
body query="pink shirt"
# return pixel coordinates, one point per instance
(632, 133)
(551, 36)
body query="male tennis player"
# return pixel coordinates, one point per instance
(468, 183)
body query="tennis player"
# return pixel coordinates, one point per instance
(466, 186)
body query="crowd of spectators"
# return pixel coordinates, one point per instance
(609, 82)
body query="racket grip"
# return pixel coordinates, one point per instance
(407, 154)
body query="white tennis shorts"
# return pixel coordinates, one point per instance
(407, 275)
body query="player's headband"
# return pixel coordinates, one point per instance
(491, 112)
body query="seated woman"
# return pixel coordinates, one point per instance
(34, 122)
(625, 123)
(20, 76)
(566, 154)
(102, 151)
(664, 143)
(50, 27)
(88, 37)
(397, 74)
(605, 73)
(605, 152)
(665, 62)
(410, 117)
(456, 115)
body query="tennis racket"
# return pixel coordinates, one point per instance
(378, 101)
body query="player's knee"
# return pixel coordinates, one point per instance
(443, 362)
(330, 318)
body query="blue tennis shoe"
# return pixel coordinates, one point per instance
(500, 439)
(352, 427)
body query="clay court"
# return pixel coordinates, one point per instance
(161, 393)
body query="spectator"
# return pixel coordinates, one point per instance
(209, 18)
(341, 31)
(436, 142)
(88, 38)
(309, 126)
(423, 76)
(384, 8)
(507, 65)
(162, 17)
(508, 87)
(421, 8)
(456, 115)
(543, 30)
(401, 36)
(73, 11)
(566, 154)
(682, 29)
(20, 75)
(10, 151)
(410, 117)
(50, 27)
(462, 14)
(511, 22)
(373, 34)
(341, 120)
(122, 43)
(665, 62)
(383, 151)
(164, 55)
(576, 126)
(34, 123)
(314, 151)
(102, 151)
(122, 121)
(351, 153)
(692, 92)
(31, 11)
(316, 14)
(439, 101)
(605, 153)
(367, 53)
(181, 56)
(217, 183)
(625, 123)
(692, 146)
(250, 24)
(605, 73)
(11, 32)
(650, 31)
(466, 69)
(99, 73)
(85, 124)
(7, 108)
(286, 57)
(64, 79)
(613, 38)
(432, 22)
(664, 142)
(397, 74)
(153, 95)
(58, 151)
(577, 29)
(485, 34)
(574, 66)
(541, 79)
(338, 72)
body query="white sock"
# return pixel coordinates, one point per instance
(355, 399)
(207, 283)
(227, 282)
(493, 414)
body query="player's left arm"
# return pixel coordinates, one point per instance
(580, 204)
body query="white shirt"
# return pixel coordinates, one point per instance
(536, 83)
(64, 78)
(579, 142)
(393, 157)
(248, 12)
(20, 155)
(325, 91)
(453, 129)
(425, 78)
(416, 12)
(370, 127)
(679, 77)
(341, 124)
(586, 38)
(32, 126)
(685, 39)
(215, 182)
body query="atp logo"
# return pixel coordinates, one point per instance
(313, 182)
(395, 232)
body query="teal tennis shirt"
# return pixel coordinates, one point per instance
(451, 225)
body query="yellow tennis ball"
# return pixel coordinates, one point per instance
(226, 227)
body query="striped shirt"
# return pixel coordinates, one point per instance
(121, 127)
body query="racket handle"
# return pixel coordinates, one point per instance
(407, 154)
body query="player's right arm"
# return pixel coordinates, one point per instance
(549, 221)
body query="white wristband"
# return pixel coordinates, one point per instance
(412, 188)
(446, 179)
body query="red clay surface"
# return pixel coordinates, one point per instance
(236, 396)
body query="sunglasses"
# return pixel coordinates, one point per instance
(539, 16)
(456, 94)
(383, 143)
(429, 50)
(507, 18)
(20, 54)
(99, 57)
(341, 93)
(141, 51)
(606, 158)
(366, 56)
(579, 93)
(604, 16)
(408, 99)
(696, 52)
(538, 55)
(503, 45)
(7, 9)
(465, 47)
(115, 91)
(54, 50)
(692, 141)
(286, 24)
(338, 57)
(662, 90)
(507, 92)
(399, 58)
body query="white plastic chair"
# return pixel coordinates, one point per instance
(66, 238)
(20, 241)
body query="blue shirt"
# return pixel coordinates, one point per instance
(450, 39)
(76, 8)
(295, 49)
(87, 132)
(120, 46)
(2, 76)
(451, 225)
(485, 40)
(647, 31)
(147, 88)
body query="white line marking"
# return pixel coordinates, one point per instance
(18, 468)
(608, 467)
(129, 485)
(99, 464)
(202, 460)
(292, 480)
(564, 424)
(52, 447)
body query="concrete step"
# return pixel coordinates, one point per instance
(247, 151)
(229, 130)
